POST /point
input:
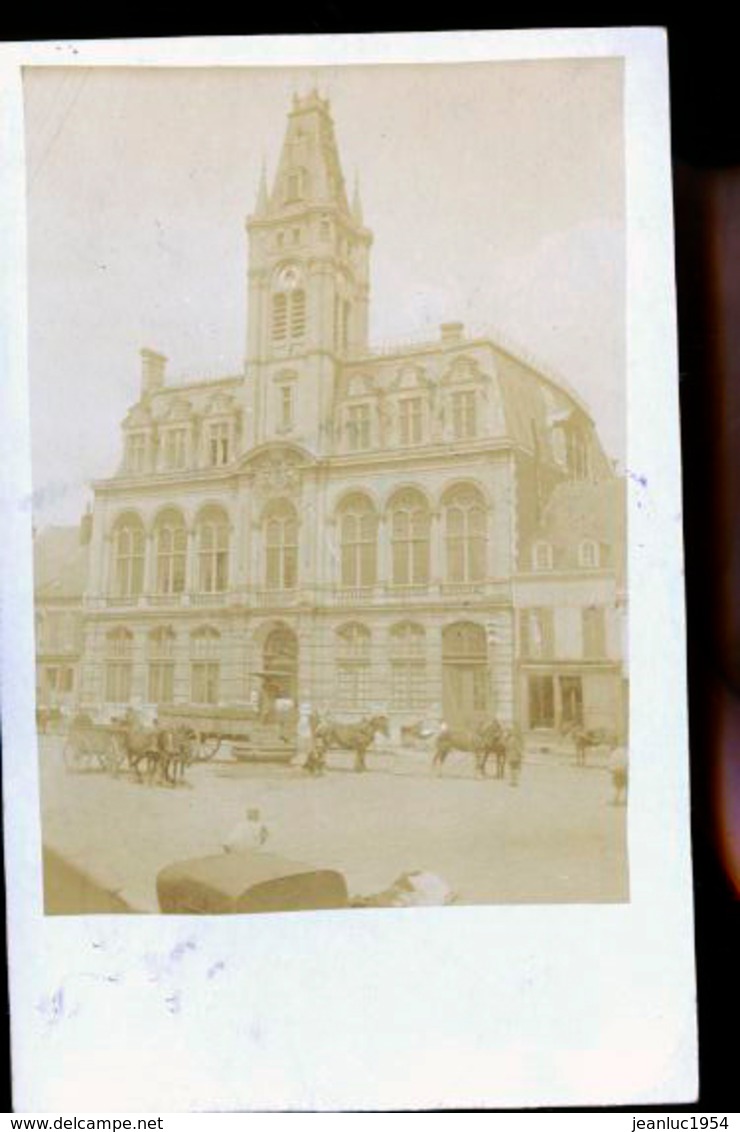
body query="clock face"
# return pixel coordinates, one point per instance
(289, 278)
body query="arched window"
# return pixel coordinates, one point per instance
(170, 541)
(465, 523)
(358, 533)
(205, 665)
(353, 666)
(588, 554)
(408, 666)
(410, 538)
(128, 557)
(119, 650)
(281, 547)
(213, 551)
(161, 682)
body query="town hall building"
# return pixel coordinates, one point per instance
(376, 530)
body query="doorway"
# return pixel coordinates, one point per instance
(465, 683)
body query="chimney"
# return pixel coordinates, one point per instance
(86, 528)
(152, 371)
(452, 332)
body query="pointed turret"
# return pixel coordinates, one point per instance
(309, 171)
(262, 194)
(357, 203)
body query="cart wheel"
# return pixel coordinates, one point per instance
(71, 753)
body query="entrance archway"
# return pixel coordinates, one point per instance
(465, 683)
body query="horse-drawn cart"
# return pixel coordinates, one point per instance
(94, 746)
(249, 738)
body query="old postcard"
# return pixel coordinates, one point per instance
(343, 647)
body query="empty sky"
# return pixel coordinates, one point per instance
(495, 192)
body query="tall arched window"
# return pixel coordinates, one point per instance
(465, 529)
(161, 682)
(408, 666)
(128, 557)
(119, 650)
(213, 550)
(358, 533)
(410, 538)
(281, 547)
(205, 665)
(353, 666)
(171, 542)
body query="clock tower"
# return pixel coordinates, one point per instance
(308, 285)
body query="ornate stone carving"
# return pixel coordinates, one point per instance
(277, 473)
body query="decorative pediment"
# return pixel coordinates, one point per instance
(463, 371)
(410, 377)
(175, 410)
(277, 471)
(219, 405)
(361, 385)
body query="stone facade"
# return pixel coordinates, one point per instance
(357, 523)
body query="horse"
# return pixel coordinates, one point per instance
(355, 737)
(482, 742)
(143, 745)
(176, 753)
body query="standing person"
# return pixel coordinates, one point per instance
(249, 834)
(619, 770)
(514, 754)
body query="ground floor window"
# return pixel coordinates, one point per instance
(408, 689)
(541, 701)
(161, 682)
(118, 682)
(204, 682)
(354, 684)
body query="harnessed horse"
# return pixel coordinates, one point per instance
(357, 737)
(482, 742)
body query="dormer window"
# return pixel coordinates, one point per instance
(136, 446)
(218, 444)
(358, 427)
(175, 448)
(542, 556)
(588, 554)
(410, 417)
(464, 424)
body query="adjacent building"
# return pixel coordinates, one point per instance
(375, 529)
(61, 561)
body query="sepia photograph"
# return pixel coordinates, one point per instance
(328, 421)
(344, 673)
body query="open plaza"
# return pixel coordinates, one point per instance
(556, 837)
